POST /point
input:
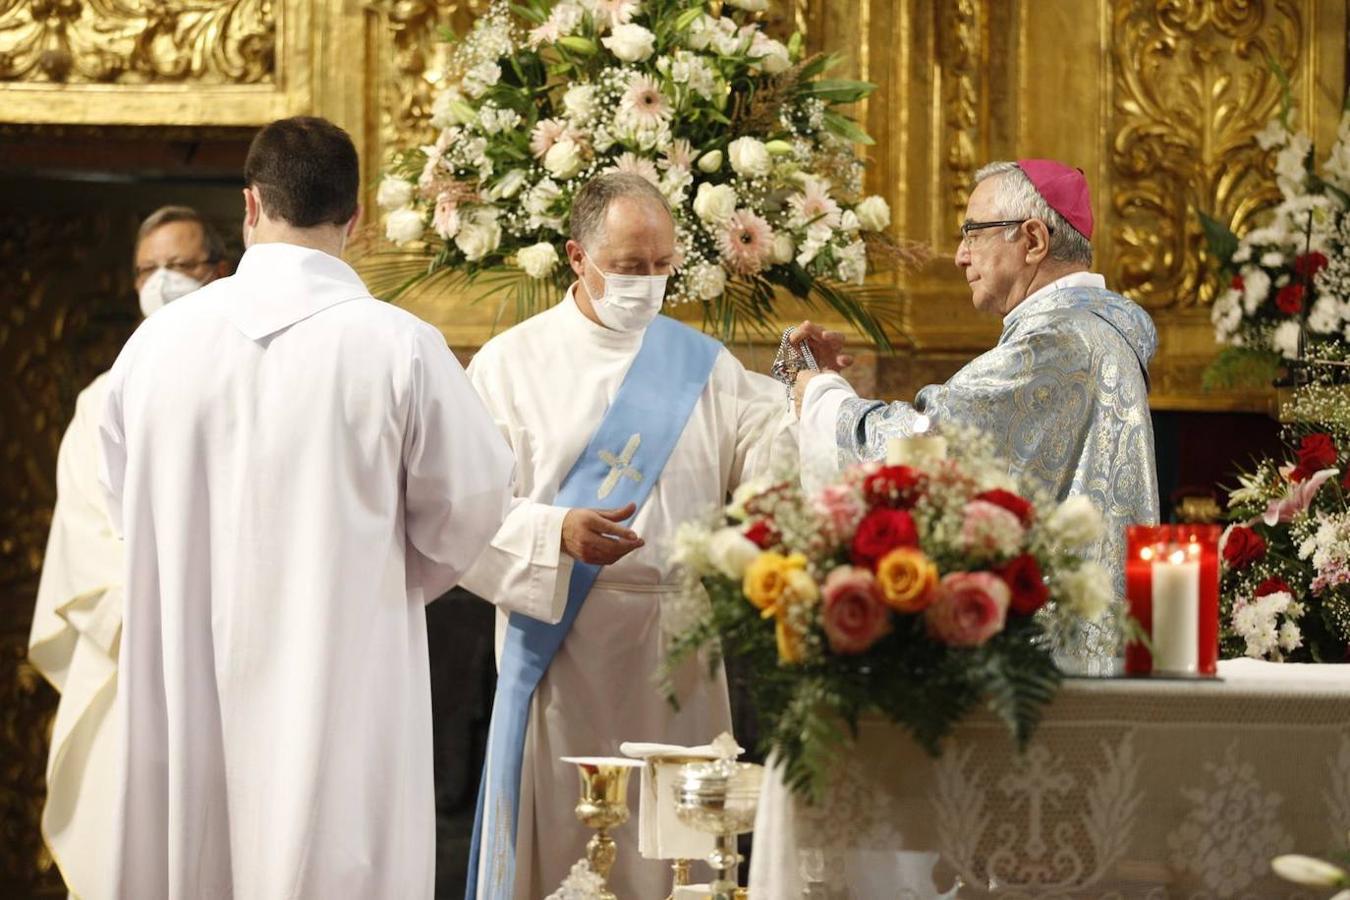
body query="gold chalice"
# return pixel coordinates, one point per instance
(603, 805)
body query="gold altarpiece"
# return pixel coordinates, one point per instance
(1157, 100)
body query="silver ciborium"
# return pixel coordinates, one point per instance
(720, 798)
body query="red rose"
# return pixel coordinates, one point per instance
(880, 532)
(1316, 452)
(1023, 576)
(1243, 547)
(1014, 504)
(894, 486)
(1290, 299)
(1236, 284)
(1273, 586)
(1309, 264)
(762, 534)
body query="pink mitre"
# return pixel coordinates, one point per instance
(1064, 188)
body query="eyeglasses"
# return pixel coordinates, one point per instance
(181, 266)
(968, 227)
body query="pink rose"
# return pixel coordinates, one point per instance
(853, 615)
(990, 528)
(970, 608)
(841, 508)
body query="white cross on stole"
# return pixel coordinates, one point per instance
(619, 467)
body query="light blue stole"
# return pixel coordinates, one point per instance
(619, 466)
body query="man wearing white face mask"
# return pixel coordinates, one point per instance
(77, 621)
(624, 424)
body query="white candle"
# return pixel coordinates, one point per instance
(1176, 614)
(919, 451)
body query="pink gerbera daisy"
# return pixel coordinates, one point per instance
(746, 242)
(633, 164)
(644, 101)
(546, 133)
(814, 204)
(679, 155)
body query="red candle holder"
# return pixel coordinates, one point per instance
(1145, 544)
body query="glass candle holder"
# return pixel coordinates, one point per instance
(1172, 589)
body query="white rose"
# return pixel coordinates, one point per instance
(538, 260)
(579, 101)
(783, 248)
(749, 157)
(1075, 523)
(874, 213)
(1284, 339)
(509, 186)
(393, 193)
(848, 221)
(630, 43)
(404, 225)
(714, 202)
(1255, 288)
(701, 32)
(772, 55)
(732, 552)
(1087, 591)
(563, 159)
(480, 235)
(710, 162)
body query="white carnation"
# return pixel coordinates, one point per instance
(732, 552)
(1087, 591)
(1272, 259)
(1273, 135)
(580, 102)
(404, 225)
(1255, 288)
(393, 193)
(1075, 523)
(1284, 339)
(538, 260)
(564, 159)
(852, 261)
(1325, 315)
(874, 213)
(481, 77)
(479, 233)
(714, 202)
(749, 157)
(630, 43)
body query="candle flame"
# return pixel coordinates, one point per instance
(1178, 556)
(1146, 553)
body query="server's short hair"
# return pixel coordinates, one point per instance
(591, 203)
(306, 171)
(211, 239)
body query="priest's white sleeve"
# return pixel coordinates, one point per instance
(819, 428)
(458, 468)
(766, 430)
(523, 568)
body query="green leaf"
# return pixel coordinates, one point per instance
(578, 44)
(1220, 239)
(1239, 367)
(847, 129)
(526, 12)
(839, 91)
(446, 34)
(688, 17)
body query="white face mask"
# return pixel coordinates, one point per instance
(165, 286)
(629, 302)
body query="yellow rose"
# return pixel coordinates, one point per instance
(768, 576)
(908, 580)
(791, 647)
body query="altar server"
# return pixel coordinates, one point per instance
(610, 408)
(1064, 393)
(77, 620)
(296, 468)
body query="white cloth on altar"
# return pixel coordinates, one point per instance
(548, 382)
(77, 625)
(297, 468)
(661, 834)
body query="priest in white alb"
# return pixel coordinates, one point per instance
(296, 468)
(624, 424)
(77, 620)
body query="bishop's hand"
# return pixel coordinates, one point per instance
(826, 346)
(595, 536)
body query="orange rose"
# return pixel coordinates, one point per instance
(767, 578)
(908, 580)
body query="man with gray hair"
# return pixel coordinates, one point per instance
(624, 424)
(77, 621)
(1064, 393)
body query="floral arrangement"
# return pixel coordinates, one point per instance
(1288, 294)
(916, 590)
(1285, 592)
(740, 133)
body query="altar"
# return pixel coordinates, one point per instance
(1130, 788)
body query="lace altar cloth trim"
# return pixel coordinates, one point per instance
(1131, 789)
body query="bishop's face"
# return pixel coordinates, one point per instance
(996, 269)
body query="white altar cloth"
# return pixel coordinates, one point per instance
(1131, 788)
